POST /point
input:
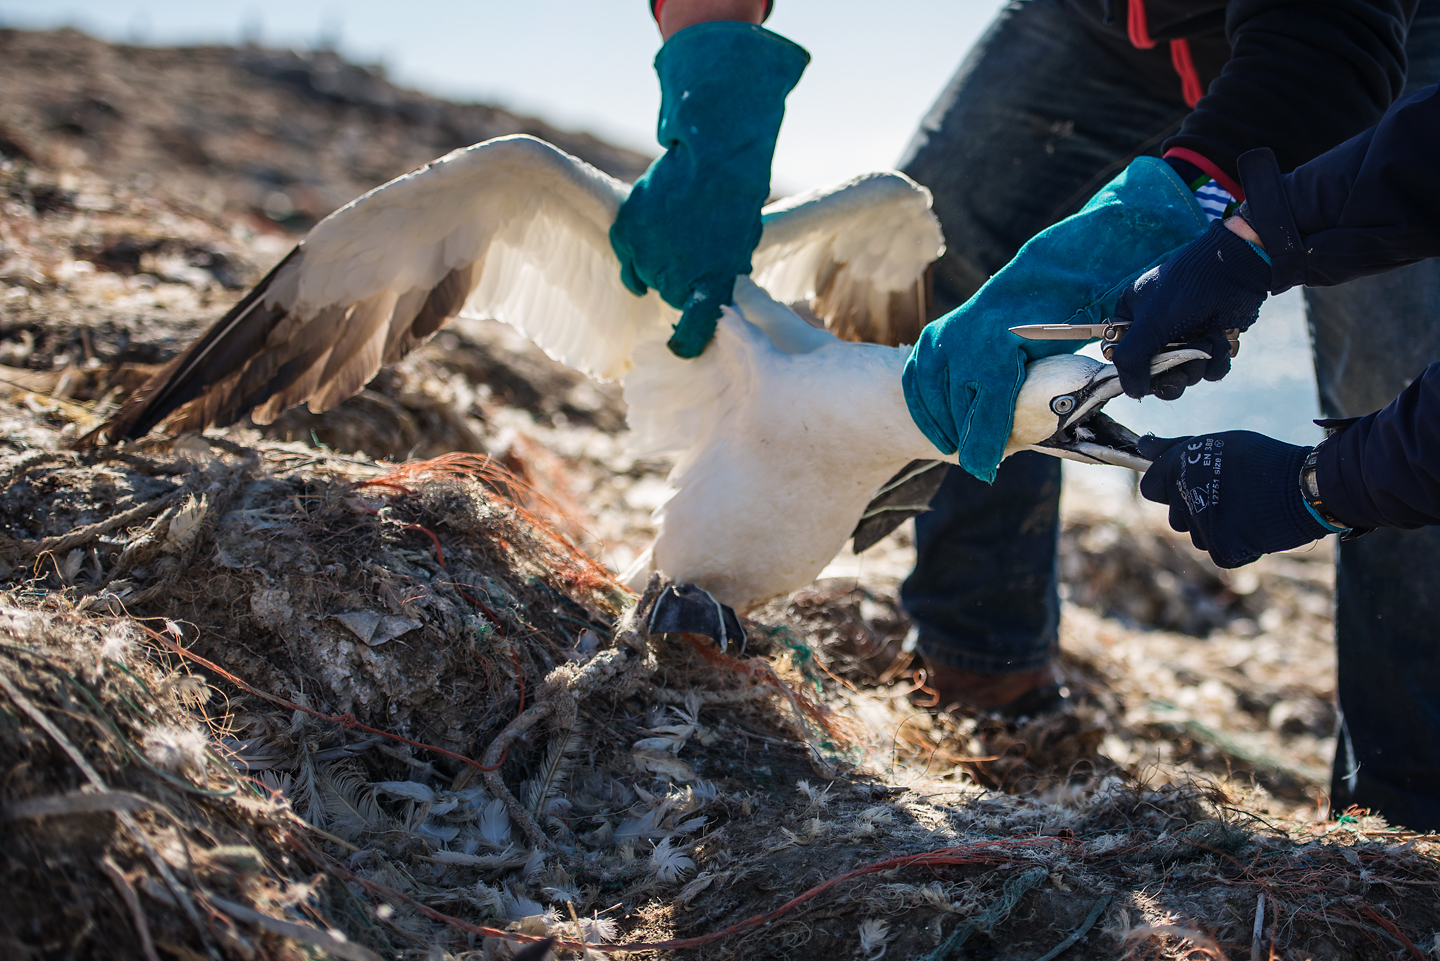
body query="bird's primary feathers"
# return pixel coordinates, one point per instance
(517, 230)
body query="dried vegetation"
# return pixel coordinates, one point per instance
(274, 695)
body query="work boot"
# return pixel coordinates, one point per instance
(1016, 694)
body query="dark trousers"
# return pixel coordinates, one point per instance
(1372, 337)
(1036, 119)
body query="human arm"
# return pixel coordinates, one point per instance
(1241, 494)
(1383, 470)
(672, 16)
(962, 374)
(1300, 79)
(1370, 204)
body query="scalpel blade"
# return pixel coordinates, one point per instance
(1062, 331)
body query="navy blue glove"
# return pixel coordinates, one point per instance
(693, 218)
(1237, 493)
(1215, 283)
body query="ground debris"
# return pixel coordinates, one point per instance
(362, 684)
(329, 694)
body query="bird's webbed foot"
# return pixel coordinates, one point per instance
(687, 609)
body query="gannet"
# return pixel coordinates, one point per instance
(781, 432)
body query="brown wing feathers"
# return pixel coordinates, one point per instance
(441, 304)
(852, 311)
(264, 358)
(241, 332)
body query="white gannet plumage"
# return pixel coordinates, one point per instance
(776, 465)
(793, 433)
(781, 432)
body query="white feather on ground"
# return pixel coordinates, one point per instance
(176, 750)
(495, 824)
(668, 863)
(873, 936)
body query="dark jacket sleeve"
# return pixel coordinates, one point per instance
(1302, 77)
(1384, 469)
(1369, 205)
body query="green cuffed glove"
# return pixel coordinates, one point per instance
(693, 219)
(966, 369)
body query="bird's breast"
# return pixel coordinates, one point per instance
(776, 492)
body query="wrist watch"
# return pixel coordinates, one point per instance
(1310, 490)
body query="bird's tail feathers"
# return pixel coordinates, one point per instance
(638, 573)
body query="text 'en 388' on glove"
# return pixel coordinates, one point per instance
(692, 220)
(1214, 284)
(1237, 493)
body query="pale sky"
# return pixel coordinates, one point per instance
(585, 64)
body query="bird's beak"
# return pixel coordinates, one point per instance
(1086, 434)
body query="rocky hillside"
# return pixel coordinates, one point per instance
(283, 136)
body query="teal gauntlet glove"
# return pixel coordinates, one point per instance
(966, 370)
(693, 219)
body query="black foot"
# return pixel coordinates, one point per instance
(687, 609)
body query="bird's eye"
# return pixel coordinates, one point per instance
(1063, 404)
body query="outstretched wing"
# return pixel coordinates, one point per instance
(857, 252)
(517, 230)
(512, 228)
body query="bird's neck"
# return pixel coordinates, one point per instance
(890, 414)
(869, 401)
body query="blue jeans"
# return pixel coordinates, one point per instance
(1038, 117)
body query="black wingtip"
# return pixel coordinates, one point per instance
(902, 497)
(183, 379)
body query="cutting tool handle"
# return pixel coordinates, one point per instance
(1109, 334)
(1116, 330)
